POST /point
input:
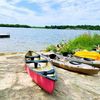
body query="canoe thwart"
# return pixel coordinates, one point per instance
(52, 71)
(37, 56)
(37, 61)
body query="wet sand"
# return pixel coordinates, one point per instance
(15, 83)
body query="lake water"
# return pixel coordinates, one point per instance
(23, 39)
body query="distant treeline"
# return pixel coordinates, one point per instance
(87, 27)
(15, 25)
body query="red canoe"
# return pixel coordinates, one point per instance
(42, 73)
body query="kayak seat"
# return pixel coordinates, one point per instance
(52, 56)
(75, 62)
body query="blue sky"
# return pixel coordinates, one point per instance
(50, 12)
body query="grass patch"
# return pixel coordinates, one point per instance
(51, 48)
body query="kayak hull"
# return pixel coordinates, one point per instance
(77, 68)
(88, 54)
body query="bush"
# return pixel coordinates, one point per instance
(84, 41)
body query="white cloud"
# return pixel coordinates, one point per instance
(13, 12)
(13, 1)
(67, 12)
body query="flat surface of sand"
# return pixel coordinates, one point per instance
(16, 84)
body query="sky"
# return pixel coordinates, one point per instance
(50, 12)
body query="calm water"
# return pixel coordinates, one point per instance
(23, 39)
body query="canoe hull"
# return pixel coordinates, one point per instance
(77, 69)
(45, 83)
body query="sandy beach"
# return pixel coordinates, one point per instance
(16, 84)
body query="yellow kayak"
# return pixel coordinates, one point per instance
(88, 54)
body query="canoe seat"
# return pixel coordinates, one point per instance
(52, 71)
